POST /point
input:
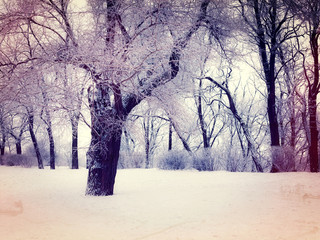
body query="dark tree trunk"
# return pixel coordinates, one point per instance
(269, 66)
(183, 140)
(34, 140)
(313, 148)
(293, 130)
(170, 136)
(106, 131)
(313, 92)
(75, 159)
(205, 138)
(146, 126)
(18, 147)
(103, 163)
(51, 145)
(272, 114)
(3, 144)
(47, 121)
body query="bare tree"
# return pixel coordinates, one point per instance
(17, 128)
(152, 125)
(30, 112)
(309, 13)
(108, 116)
(170, 137)
(46, 118)
(268, 24)
(3, 130)
(244, 126)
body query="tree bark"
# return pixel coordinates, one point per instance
(34, 139)
(269, 66)
(205, 138)
(48, 122)
(74, 157)
(3, 144)
(51, 146)
(18, 147)
(170, 136)
(313, 92)
(183, 140)
(146, 126)
(103, 153)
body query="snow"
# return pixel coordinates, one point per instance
(157, 204)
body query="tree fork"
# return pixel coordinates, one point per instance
(106, 129)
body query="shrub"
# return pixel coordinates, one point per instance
(283, 159)
(19, 160)
(131, 160)
(203, 161)
(175, 160)
(44, 151)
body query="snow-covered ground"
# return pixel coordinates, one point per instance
(157, 204)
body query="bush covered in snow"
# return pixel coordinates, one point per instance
(283, 159)
(131, 160)
(44, 151)
(203, 160)
(180, 160)
(18, 160)
(175, 160)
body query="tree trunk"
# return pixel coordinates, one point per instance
(170, 136)
(183, 140)
(103, 163)
(201, 119)
(75, 159)
(18, 147)
(34, 140)
(313, 92)
(47, 121)
(146, 125)
(313, 148)
(269, 67)
(106, 131)
(3, 144)
(272, 114)
(51, 144)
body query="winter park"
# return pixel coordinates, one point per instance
(159, 119)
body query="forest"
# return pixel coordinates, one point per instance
(175, 84)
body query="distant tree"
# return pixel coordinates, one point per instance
(17, 128)
(267, 26)
(244, 127)
(3, 130)
(209, 114)
(308, 11)
(74, 83)
(152, 124)
(45, 116)
(170, 136)
(30, 115)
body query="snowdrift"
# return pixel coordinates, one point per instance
(158, 204)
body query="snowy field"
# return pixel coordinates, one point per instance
(157, 204)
